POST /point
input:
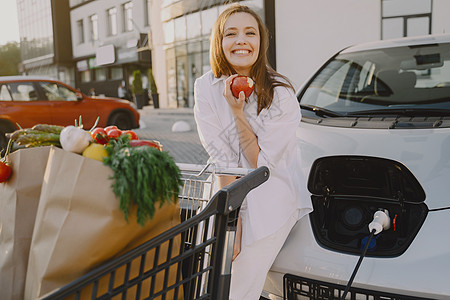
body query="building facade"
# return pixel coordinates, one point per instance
(109, 42)
(45, 40)
(305, 33)
(180, 32)
(308, 32)
(100, 43)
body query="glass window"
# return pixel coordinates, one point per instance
(56, 92)
(116, 73)
(405, 18)
(100, 74)
(80, 29)
(23, 91)
(209, 17)
(112, 21)
(393, 8)
(392, 28)
(94, 27)
(193, 24)
(205, 62)
(128, 16)
(4, 93)
(180, 28)
(36, 30)
(85, 76)
(418, 26)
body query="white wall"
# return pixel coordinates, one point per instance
(158, 52)
(441, 19)
(308, 32)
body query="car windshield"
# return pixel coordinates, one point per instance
(414, 80)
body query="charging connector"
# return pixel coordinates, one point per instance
(381, 221)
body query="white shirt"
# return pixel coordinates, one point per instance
(121, 92)
(271, 204)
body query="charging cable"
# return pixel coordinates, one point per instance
(381, 221)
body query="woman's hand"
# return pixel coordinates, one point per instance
(236, 105)
(247, 138)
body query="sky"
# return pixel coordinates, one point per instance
(9, 27)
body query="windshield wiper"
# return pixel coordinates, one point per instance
(407, 112)
(320, 111)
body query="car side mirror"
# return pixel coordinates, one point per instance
(80, 96)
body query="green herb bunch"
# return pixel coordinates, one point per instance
(143, 176)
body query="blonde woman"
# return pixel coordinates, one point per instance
(248, 133)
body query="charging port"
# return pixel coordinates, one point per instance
(347, 191)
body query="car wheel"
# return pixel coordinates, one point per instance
(122, 120)
(5, 127)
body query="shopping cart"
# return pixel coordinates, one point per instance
(189, 261)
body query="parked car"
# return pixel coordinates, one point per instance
(31, 100)
(375, 142)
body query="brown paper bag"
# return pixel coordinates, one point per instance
(79, 224)
(19, 197)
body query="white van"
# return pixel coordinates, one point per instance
(375, 147)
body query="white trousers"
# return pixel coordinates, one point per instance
(250, 268)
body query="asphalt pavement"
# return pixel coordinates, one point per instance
(184, 146)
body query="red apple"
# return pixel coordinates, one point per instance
(242, 83)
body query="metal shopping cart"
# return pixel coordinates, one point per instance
(189, 261)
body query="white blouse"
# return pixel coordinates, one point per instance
(271, 204)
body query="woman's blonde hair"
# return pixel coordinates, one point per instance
(266, 79)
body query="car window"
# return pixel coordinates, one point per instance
(4, 93)
(57, 92)
(415, 76)
(23, 91)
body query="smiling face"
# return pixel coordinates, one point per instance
(241, 42)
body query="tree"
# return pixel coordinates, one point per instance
(9, 59)
(137, 83)
(151, 82)
(138, 89)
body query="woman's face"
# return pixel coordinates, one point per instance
(241, 42)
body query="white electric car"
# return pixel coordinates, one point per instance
(375, 147)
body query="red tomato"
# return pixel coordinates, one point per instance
(114, 133)
(100, 136)
(133, 134)
(154, 144)
(109, 128)
(5, 171)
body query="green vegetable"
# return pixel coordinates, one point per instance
(48, 128)
(20, 132)
(143, 176)
(37, 137)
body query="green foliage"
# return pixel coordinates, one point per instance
(137, 87)
(9, 59)
(151, 82)
(143, 176)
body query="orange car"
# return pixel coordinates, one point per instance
(30, 100)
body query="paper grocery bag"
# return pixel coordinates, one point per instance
(79, 224)
(19, 198)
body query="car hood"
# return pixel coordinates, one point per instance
(425, 152)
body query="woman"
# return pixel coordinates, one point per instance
(248, 133)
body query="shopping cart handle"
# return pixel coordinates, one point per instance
(235, 192)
